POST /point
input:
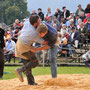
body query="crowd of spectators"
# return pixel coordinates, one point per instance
(74, 28)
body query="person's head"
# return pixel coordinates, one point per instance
(71, 24)
(62, 18)
(82, 14)
(48, 19)
(49, 9)
(10, 29)
(17, 28)
(17, 21)
(54, 25)
(14, 25)
(73, 29)
(81, 25)
(64, 26)
(39, 10)
(88, 6)
(42, 29)
(57, 10)
(21, 23)
(88, 15)
(71, 14)
(9, 39)
(79, 21)
(34, 11)
(64, 8)
(77, 17)
(34, 20)
(79, 6)
(88, 20)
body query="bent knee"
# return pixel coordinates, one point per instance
(35, 63)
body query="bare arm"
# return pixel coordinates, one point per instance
(44, 47)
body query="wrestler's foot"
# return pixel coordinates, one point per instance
(33, 84)
(18, 72)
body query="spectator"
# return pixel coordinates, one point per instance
(71, 16)
(34, 12)
(79, 10)
(83, 32)
(17, 23)
(79, 21)
(15, 35)
(14, 26)
(49, 13)
(87, 9)
(76, 19)
(63, 20)
(58, 14)
(86, 58)
(66, 42)
(88, 28)
(10, 49)
(56, 23)
(66, 13)
(48, 20)
(64, 28)
(75, 36)
(40, 13)
(87, 16)
(21, 25)
(10, 32)
(82, 17)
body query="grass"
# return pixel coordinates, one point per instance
(10, 74)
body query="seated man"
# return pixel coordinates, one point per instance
(10, 49)
(83, 33)
(86, 58)
(66, 43)
(75, 37)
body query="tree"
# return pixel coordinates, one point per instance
(13, 9)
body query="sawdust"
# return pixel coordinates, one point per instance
(45, 82)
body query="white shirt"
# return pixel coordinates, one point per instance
(72, 35)
(29, 35)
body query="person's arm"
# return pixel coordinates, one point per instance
(44, 47)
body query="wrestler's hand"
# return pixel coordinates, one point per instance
(33, 49)
(45, 42)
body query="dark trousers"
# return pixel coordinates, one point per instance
(28, 65)
(1, 61)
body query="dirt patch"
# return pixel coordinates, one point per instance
(45, 82)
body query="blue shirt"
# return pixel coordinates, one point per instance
(9, 45)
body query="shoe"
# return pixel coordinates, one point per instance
(19, 74)
(33, 84)
(1, 77)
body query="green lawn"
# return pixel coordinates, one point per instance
(9, 71)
